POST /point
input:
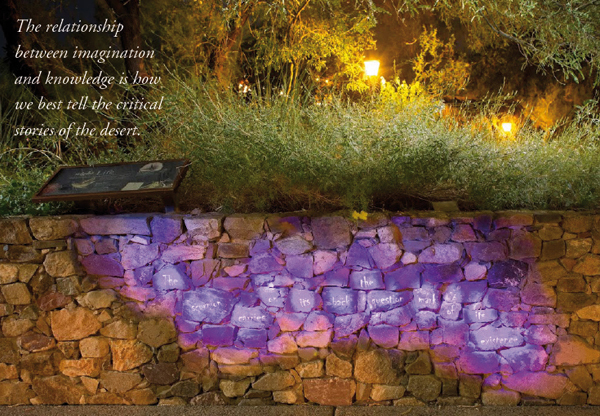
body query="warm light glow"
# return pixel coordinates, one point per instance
(371, 68)
(507, 127)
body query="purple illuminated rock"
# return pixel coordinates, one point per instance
(540, 335)
(252, 338)
(434, 275)
(202, 270)
(395, 317)
(107, 265)
(414, 341)
(366, 280)
(339, 301)
(138, 255)
(337, 277)
(182, 252)
(293, 245)
(480, 315)
(526, 358)
(284, 344)
(426, 320)
(465, 292)
(348, 324)
(300, 266)
(171, 277)
(117, 224)
(486, 251)
(385, 255)
(229, 283)
(251, 317)
(407, 277)
(385, 336)
(514, 319)
(384, 300)
(541, 384)
(143, 275)
(302, 300)
(524, 246)
(272, 296)
(264, 263)
(441, 253)
(286, 226)
(290, 321)
(473, 362)
(450, 310)
(165, 229)
(207, 305)
(218, 335)
(318, 321)
(475, 271)
(231, 355)
(489, 338)
(324, 261)
(502, 299)
(538, 295)
(359, 257)
(426, 299)
(413, 233)
(508, 273)
(454, 332)
(331, 232)
(259, 247)
(315, 339)
(462, 233)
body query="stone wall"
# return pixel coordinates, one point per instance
(492, 308)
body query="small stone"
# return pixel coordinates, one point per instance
(231, 388)
(117, 382)
(381, 392)
(129, 354)
(94, 347)
(57, 390)
(84, 367)
(589, 265)
(422, 365)
(278, 380)
(500, 398)
(577, 248)
(73, 325)
(161, 373)
(156, 332)
(16, 294)
(425, 388)
(311, 369)
(376, 367)
(337, 367)
(244, 227)
(97, 299)
(330, 392)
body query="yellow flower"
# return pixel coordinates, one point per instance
(360, 216)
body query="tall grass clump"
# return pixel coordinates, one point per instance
(392, 151)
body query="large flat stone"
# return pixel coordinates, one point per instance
(573, 350)
(550, 386)
(331, 232)
(118, 224)
(330, 392)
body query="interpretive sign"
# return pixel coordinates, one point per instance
(115, 180)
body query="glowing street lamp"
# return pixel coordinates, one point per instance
(371, 68)
(507, 127)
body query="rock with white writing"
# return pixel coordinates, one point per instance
(465, 292)
(272, 296)
(508, 273)
(339, 301)
(550, 386)
(480, 315)
(302, 300)
(526, 358)
(256, 317)
(366, 280)
(384, 300)
(207, 305)
(171, 277)
(407, 277)
(426, 299)
(489, 338)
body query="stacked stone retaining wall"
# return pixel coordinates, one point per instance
(452, 309)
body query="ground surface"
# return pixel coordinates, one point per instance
(295, 411)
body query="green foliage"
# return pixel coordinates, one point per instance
(437, 67)
(561, 35)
